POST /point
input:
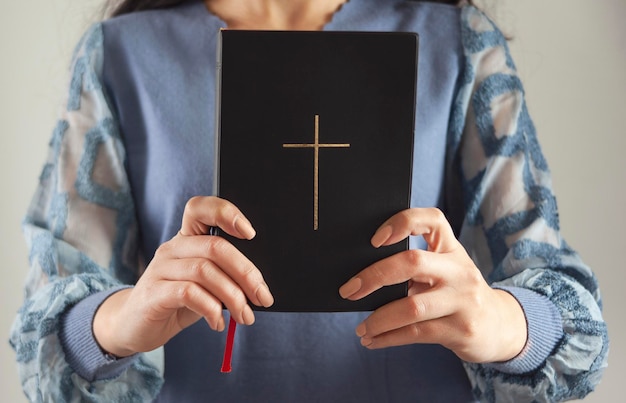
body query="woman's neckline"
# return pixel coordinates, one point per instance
(337, 14)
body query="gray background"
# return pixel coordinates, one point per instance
(571, 55)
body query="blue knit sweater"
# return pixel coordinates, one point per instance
(141, 99)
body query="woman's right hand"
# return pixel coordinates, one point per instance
(189, 277)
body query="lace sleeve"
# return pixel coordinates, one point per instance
(82, 236)
(510, 227)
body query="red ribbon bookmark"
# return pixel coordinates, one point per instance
(228, 349)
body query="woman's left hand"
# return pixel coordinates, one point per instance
(448, 302)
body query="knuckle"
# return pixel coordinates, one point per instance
(474, 286)
(417, 307)
(474, 278)
(193, 204)
(251, 275)
(437, 217)
(212, 310)
(469, 330)
(407, 218)
(226, 210)
(237, 296)
(216, 313)
(164, 249)
(376, 274)
(216, 246)
(414, 257)
(475, 300)
(437, 214)
(201, 269)
(415, 331)
(184, 292)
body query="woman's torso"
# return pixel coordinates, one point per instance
(159, 70)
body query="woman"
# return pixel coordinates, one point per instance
(499, 307)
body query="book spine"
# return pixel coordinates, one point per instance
(218, 103)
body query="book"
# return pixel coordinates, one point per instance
(315, 143)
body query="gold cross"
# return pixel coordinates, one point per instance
(316, 148)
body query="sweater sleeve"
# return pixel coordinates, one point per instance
(81, 349)
(509, 225)
(82, 237)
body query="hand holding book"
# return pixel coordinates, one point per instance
(192, 276)
(448, 303)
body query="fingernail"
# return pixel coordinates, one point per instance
(247, 315)
(220, 325)
(350, 288)
(244, 227)
(365, 341)
(264, 296)
(381, 236)
(360, 330)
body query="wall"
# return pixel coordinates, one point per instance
(572, 57)
(570, 54)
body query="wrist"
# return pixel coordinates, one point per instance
(105, 325)
(80, 348)
(544, 329)
(513, 330)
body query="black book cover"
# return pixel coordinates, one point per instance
(315, 144)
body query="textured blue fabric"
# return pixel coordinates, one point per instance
(141, 98)
(82, 351)
(81, 242)
(544, 331)
(510, 224)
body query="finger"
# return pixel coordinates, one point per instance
(191, 296)
(437, 331)
(431, 223)
(407, 311)
(416, 265)
(203, 212)
(215, 282)
(223, 255)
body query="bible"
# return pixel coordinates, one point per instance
(314, 145)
